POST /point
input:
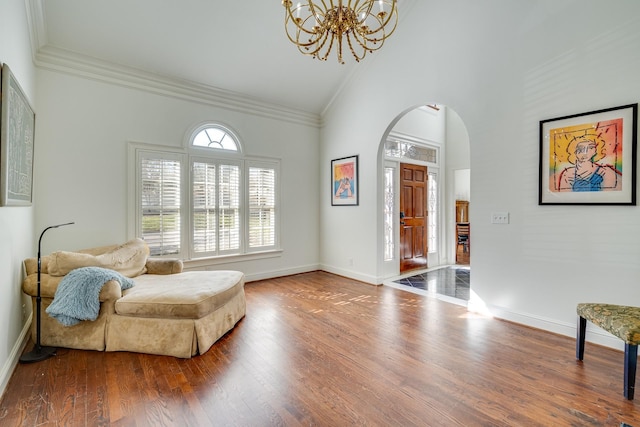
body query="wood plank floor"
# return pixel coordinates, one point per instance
(320, 350)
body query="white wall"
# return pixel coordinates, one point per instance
(457, 163)
(16, 223)
(462, 184)
(82, 175)
(502, 65)
(423, 123)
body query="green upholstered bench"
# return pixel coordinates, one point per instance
(623, 322)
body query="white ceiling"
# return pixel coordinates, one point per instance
(237, 46)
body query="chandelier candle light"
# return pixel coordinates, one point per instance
(316, 26)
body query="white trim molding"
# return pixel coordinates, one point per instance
(51, 58)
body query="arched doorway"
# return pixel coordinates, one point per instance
(433, 137)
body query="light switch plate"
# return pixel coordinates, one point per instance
(500, 218)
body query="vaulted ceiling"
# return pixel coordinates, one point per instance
(237, 47)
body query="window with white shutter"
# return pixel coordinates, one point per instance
(205, 211)
(215, 207)
(229, 200)
(159, 178)
(226, 205)
(262, 207)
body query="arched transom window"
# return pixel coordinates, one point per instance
(215, 136)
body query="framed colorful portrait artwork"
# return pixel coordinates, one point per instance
(344, 181)
(589, 158)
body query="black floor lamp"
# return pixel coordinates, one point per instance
(39, 352)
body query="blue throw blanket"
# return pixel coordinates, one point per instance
(77, 296)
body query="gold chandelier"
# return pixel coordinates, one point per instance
(316, 26)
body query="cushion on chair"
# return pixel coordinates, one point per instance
(128, 259)
(620, 320)
(188, 295)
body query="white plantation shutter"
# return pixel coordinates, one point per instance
(262, 207)
(205, 222)
(215, 208)
(229, 202)
(160, 219)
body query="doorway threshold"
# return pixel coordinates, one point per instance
(449, 283)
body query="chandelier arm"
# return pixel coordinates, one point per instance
(297, 22)
(320, 18)
(288, 16)
(328, 51)
(316, 52)
(369, 44)
(299, 32)
(391, 13)
(359, 9)
(371, 35)
(383, 19)
(353, 51)
(383, 25)
(303, 47)
(365, 47)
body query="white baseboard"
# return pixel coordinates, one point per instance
(594, 334)
(372, 280)
(280, 273)
(14, 356)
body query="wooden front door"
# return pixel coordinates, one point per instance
(413, 217)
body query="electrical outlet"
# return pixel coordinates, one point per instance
(500, 218)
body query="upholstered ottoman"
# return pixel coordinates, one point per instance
(179, 314)
(619, 320)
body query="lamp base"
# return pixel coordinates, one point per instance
(38, 354)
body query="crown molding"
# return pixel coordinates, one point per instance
(36, 24)
(60, 60)
(51, 58)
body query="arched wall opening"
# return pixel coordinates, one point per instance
(435, 136)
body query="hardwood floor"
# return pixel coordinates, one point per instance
(320, 350)
(462, 256)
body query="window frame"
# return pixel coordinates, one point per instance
(262, 163)
(187, 155)
(136, 155)
(191, 135)
(217, 252)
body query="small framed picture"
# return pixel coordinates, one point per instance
(344, 181)
(589, 158)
